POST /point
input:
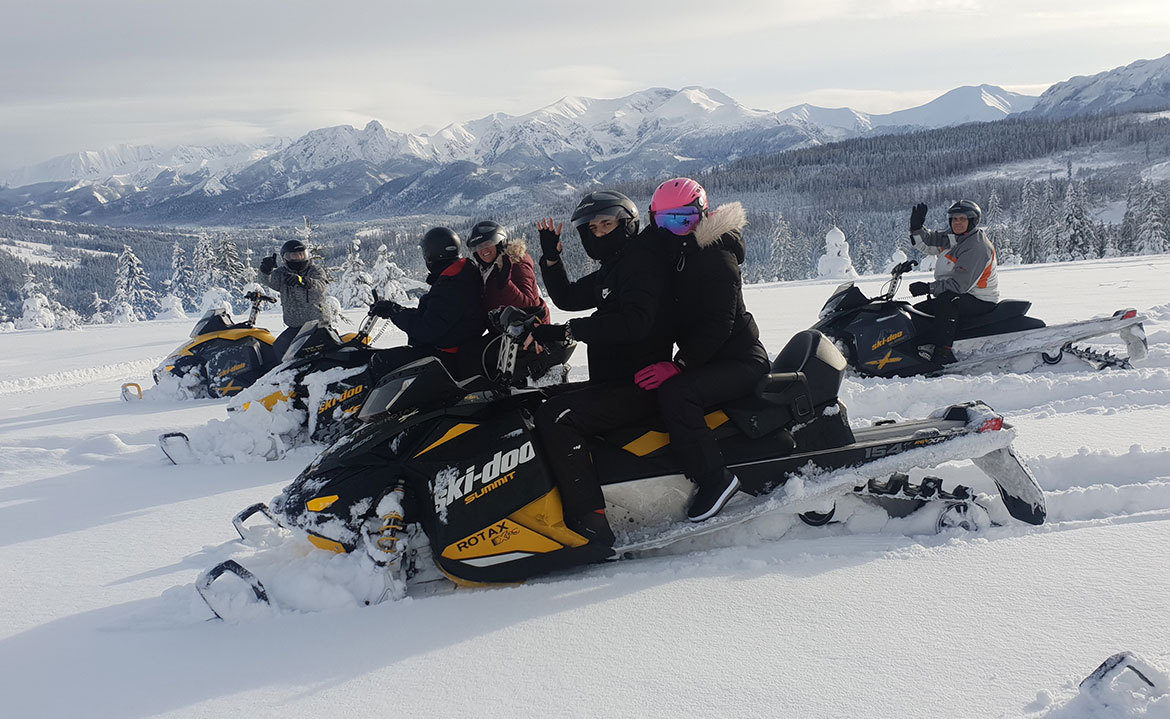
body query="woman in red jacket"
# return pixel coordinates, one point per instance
(507, 270)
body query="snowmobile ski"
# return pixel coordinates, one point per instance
(177, 447)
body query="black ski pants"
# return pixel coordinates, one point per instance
(947, 308)
(685, 400)
(565, 422)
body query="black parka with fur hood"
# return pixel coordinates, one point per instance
(710, 320)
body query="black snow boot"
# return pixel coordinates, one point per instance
(592, 526)
(712, 494)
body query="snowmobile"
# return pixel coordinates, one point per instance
(328, 377)
(879, 336)
(222, 358)
(448, 479)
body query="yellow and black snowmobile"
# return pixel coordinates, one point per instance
(451, 475)
(222, 357)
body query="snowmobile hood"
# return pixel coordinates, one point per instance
(724, 226)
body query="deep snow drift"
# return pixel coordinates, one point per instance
(101, 540)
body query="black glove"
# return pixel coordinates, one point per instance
(503, 273)
(386, 308)
(919, 288)
(550, 334)
(917, 216)
(548, 244)
(268, 264)
(292, 279)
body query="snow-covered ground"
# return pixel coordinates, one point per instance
(101, 539)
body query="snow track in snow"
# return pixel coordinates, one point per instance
(104, 373)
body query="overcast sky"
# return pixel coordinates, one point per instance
(84, 75)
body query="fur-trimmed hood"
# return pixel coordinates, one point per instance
(724, 225)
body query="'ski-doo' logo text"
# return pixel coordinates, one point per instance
(233, 368)
(886, 340)
(334, 401)
(496, 473)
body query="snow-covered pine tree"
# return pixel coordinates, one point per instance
(1151, 236)
(132, 287)
(98, 310)
(1078, 239)
(37, 312)
(836, 263)
(354, 289)
(388, 276)
(182, 280)
(864, 249)
(203, 265)
(228, 269)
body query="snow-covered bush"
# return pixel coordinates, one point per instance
(835, 263)
(171, 308)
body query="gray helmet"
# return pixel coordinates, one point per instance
(486, 233)
(968, 209)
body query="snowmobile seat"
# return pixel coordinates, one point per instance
(1005, 310)
(812, 354)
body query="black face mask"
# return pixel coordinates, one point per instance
(297, 266)
(606, 247)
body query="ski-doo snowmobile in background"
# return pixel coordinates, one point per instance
(880, 335)
(222, 358)
(327, 377)
(452, 475)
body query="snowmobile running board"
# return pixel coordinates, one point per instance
(1127, 323)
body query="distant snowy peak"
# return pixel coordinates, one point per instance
(1141, 85)
(140, 164)
(979, 103)
(970, 103)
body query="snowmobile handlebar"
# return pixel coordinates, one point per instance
(896, 278)
(256, 298)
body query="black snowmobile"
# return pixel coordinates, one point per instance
(223, 356)
(880, 335)
(454, 471)
(328, 377)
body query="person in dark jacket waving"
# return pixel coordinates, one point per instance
(720, 357)
(626, 332)
(449, 320)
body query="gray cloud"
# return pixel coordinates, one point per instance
(85, 75)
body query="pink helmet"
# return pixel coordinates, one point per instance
(679, 192)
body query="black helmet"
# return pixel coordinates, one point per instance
(968, 209)
(294, 246)
(440, 247)
(290, 247)
(608, 204)
(486, 233)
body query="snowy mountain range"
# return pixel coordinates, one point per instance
(501, 161)
(1141, 85)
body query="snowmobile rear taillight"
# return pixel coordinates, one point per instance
(992, 425)
(1129, 315)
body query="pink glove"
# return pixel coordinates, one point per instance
(653, 376)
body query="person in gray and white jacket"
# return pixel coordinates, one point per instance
(965, 280)
(301, 285)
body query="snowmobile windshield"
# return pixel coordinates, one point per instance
(846, 296)
(313, 338)
(212, 321)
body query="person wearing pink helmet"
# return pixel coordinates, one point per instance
(720, 357)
